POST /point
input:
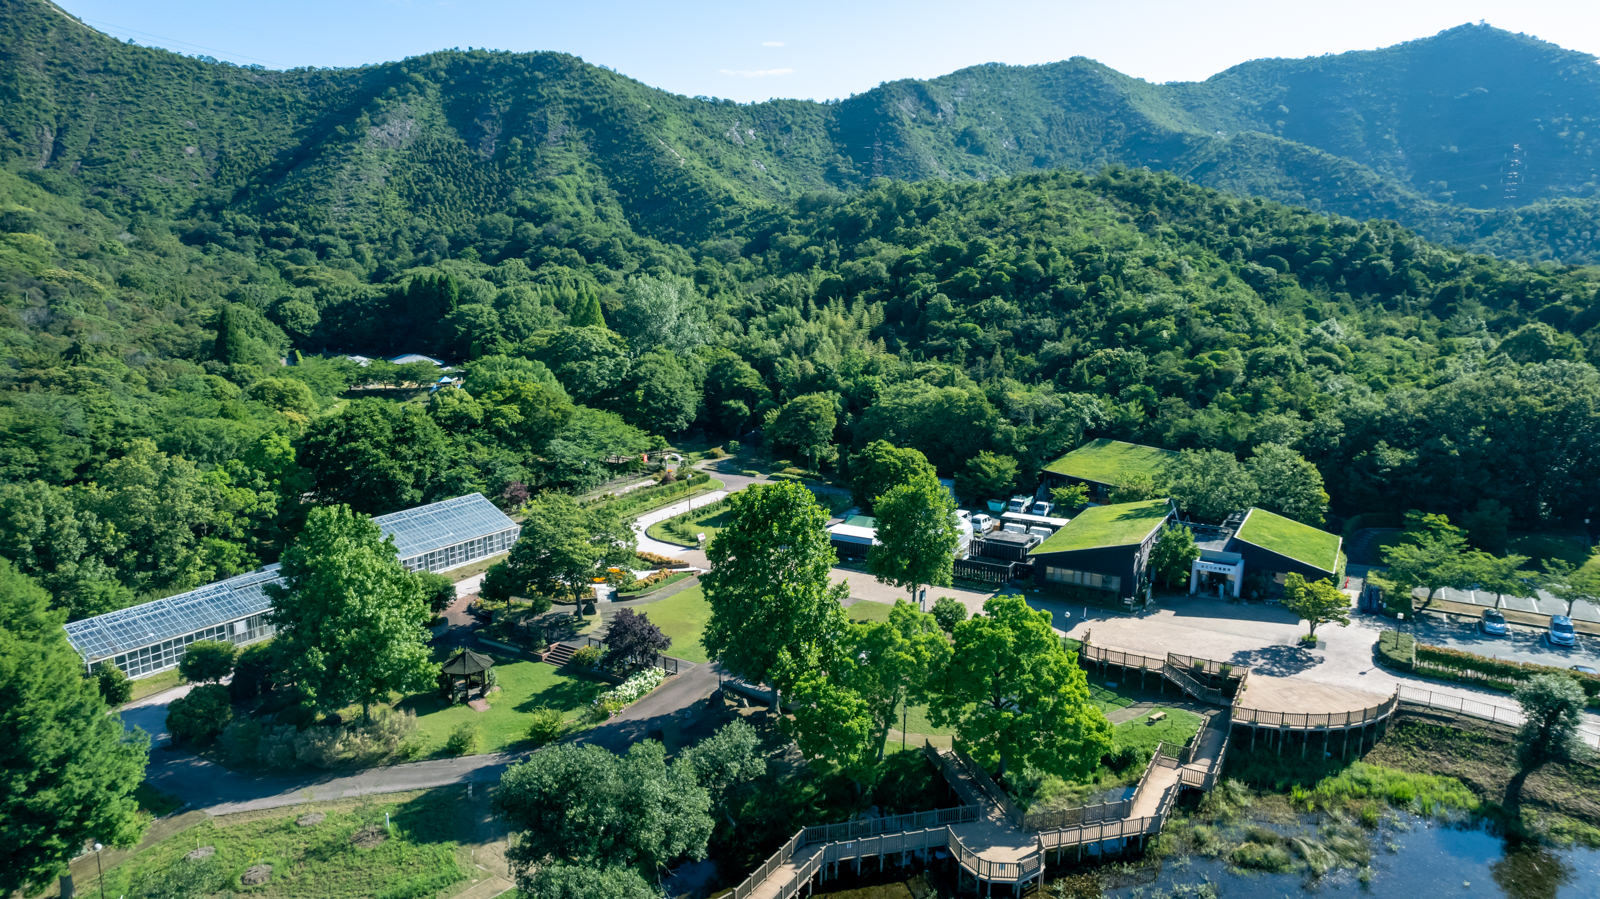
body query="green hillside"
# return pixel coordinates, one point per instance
(403, 156)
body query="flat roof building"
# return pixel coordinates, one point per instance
(154, 636)
(1104, 548)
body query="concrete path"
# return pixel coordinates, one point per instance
(643, 522)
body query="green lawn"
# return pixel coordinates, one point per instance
(1113, 462)
(869, 611)
(1107, 700)
(1290, 538)
(1116, 525)
(524, 685)
(421, 853)
(683, 528)
(155, 683)
(682, 616)
(1175, 730)
(916, 722)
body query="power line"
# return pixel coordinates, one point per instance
(166, 41)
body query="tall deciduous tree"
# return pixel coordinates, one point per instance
(1552, 706)
(1212, 484)
(881, 465)
(774, 612)
(986, 476)
(805, 425)
(1016, 694)
(1500, 575)
(1431, 554)
(374, 456)
(666, 314)
(1286, 483)
(561, 549)
(352, 623)
(1317, 602)
(1570, 583)
(584, 805)
(1174, 554)
(917, 536)
(895, 661)
(67, 769)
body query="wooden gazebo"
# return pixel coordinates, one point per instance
(463, 669)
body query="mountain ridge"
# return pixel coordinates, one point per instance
(432, 143)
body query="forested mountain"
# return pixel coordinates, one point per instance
(401, 155)
(180, 241)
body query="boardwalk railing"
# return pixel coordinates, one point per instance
(1055, 819)
(1416, 698)
(1189, 685)
(871, 827)
(1119, 658)
(989, 790)
(1020, 871)
(1317, 720)
(759, 876)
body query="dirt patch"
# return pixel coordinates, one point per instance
(202, 852)
(311, 820)
(256, 875)
(368, 837)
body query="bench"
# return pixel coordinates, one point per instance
(1156, 716)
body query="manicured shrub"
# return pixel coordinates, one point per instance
(587, 658)
(254, 672)
(463, 740)
(949, 612)
(200, 716)
(208, 661)
(545, 726)
(115, 687)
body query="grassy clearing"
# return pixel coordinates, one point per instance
(1175, 730)
(420, 853)
(524, 686)
(1108, 700)
(155, 683)
(682, 616)
(472, 569)
(869, 611)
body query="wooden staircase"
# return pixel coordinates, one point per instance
(559, 654)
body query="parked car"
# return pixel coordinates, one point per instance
(1561, 632)
(1019, 504)
(1493, 623)
(982, 524)
(1042, 507)
(1585, 669)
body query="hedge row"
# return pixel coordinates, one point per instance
(645, 499)
(1403, 652)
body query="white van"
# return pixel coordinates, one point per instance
(982, 524)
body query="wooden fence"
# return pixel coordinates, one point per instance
(1023, 870)
(1317, 720)
(985, 571)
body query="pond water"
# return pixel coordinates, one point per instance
(1414, 858)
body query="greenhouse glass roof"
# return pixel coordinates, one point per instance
(437, 525)
(148, 623)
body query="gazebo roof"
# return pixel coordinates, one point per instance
(468, 662)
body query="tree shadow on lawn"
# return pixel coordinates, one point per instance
(448, 814)
(574, 692)
(1275, 661)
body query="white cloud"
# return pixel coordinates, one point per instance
(756, 73)
(772, 43)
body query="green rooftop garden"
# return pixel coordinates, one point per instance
(1288, 537)
(1113, 462)
(1117, 525)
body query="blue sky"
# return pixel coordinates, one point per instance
(820, 49)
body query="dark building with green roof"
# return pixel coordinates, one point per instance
(1276, 546)
(1104, 463)
(1104, 548)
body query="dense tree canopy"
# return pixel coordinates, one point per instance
(69, 770)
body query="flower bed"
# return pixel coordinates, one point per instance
(628, 692)
(653, 582)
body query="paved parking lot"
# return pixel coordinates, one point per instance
(1523, 644)
(1543, 604)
